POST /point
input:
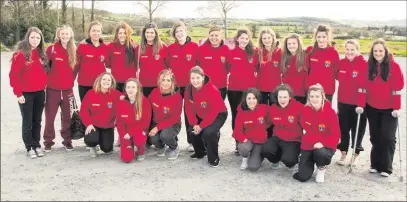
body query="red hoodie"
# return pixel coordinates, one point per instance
(352, 79)
(99, 109)
(181, 59)
(91, 62)
(268, 77)
(296, 80)
(126, 118)
(252, 124)
(166, 108)
(386, 95)
(117, 62)
(151, 65)
(286, 121)
(61, 76)
(242, 70)
(27, 76)
(320, 126)
(323, 68)
(213, 61)
(206, 103)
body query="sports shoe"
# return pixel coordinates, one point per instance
(196, 156)
(190, 148)
(141, 157)
(354, 160)
(161, 152)
(275, 165)
(294, 168)
(93, 153)
(320, 177)
(342, 160)
(39, 152)
(173, 154)
(372, 170)
(214, 164)
(68, 147)
(384, 174)
(47, 148)
(32, 154)
(117, 142)
(243, 166)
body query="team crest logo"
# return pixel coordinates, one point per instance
(102, 58)
(157, 57)
(250, 60)
(354, 74)
(321, 127)
(291, 119)
(327, 63)
(203, 104)
(222, 59)
(275, 63)
(189, 56)
(261, 120)
(28, 62)
(166, 110)
(109, 104)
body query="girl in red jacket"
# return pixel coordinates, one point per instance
(285, 143)
(133, 119)
(268, 77)
(323, 61)
(91, 59)
(182, 56)
(251, 129)
(293, 66)
(97, 113)
(352, 79)
(206, 112)
(383, 98)
(28, 77)
(60, 81)
(166, 102)
(322, 133)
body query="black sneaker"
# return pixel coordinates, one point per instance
(69, 147)
(236, 152)
(196, 156)
(214, 164)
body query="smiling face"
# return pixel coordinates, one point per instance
(267, 40)
(121, 35)
(215, 38)
(34, 39)
(196, 80)
(243, 40)
(180, 33)
(283, 98)
(65, 35)
(292, 45)
(131, 89)
(95, 32)
(351, 51)
(150, 35)
(251, 101)
(166, 83)
(315, 98)
(322, 39)
(106, 82)
(379, 52)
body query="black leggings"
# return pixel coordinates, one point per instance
(83, 90)
(103, 137)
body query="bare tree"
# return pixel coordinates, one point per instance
(151, 7)
(73, 17)
(64, 7)
(92, 13)
(83, 17)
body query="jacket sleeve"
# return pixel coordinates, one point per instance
(336, 64)
(109, 51)
(238, 133)
(175, 116)
(121, 127)
(303, 120)
(164, 54)
(79, 55)
(190, 112)
(332, 140)
(362, 85)
(86, 107)
(397, 85)
(146, 116)
(213, 111)
(15, 71)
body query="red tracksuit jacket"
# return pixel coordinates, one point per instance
(117, 62)
(352, 79)
(320, 126)
(61, 76)
(151, 65)
(207, 103)
(286, 121)
(126, 118)
(91, 62)
(386, 95)
(99, 109)
(252, 124)
(296, 80)
(213, 61)
(268, 77)
(166, 108)
(242, 70)
(27, 76)
(181, 59)
(323, 68)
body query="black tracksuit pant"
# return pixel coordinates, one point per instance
(276, 149)
(103, 137)
(321, 157)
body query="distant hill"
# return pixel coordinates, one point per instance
(374, 23)
(305, 20)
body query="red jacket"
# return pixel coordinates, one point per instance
(242, 70)
(252, 124)
(386, 95)
(296, 80)
(320, 126)
(268, 77)
(206, 103)
(323, 68)
(352, 79)
(213, 61)
(151, 65)
(181, 59)
(117, 62)
(91, 62)
(126, 118)
(61, 76)
(286, 121)
(166, 108)
(99, 109)
(27, 76)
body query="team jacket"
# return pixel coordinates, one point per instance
(268, 77)
(151, 65)
(252, 124)
(213, 61)
(27, 75)
(61, 76)
(99, 109)
(296, 80)
(352, 79)
(181, 59)
(91, 62)
(166, 108)
(323, 68)
(205, 103)
(126, 118)
(242, 70)
(286, 121)
(386, 94)
(320, 126)
(117, 62)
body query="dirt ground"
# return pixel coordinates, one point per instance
(62, 175)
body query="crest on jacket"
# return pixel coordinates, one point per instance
(250, 60)
(166, 110)
(203, 104)
(222, 59)
(321, 127)
(109, 104)
(188, 56)
(291, 119)
(157, 57)
(102, 58)
(261, 120)
(354, 74)
(275, 63)
(327, 63)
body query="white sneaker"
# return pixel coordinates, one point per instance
(320, 175)
(117, 143)
(190, 148)
(93, 153)
(161, 152)
(384, 174)
(243, 166)
(372, 170)
(39, 152)
(342, 160)
(32, 154)
(173, 154)
(275, 165)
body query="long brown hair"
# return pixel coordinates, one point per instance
(249, 49)
(321, 28)
(261, 44)
(286, 55)
(384, 66)
(138, 105)
(157, 44)
(70, 47)
(163, 74)
(97, 85)
(128, 45)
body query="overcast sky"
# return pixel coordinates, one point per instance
(361, 10)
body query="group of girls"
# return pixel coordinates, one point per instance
(267, 88)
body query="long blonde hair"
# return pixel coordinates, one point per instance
(138, 105)
(71, 47)
(162, 75)
(261, 45)
(157, 44)
(286, 54)
(316, 87)
(97, 86)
